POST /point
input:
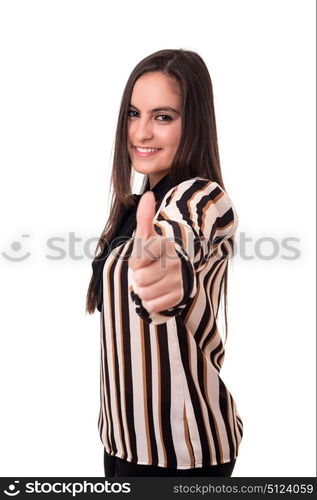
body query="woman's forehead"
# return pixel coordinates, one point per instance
(155, 90)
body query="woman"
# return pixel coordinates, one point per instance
(159, 277)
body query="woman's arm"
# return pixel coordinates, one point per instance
(196, 216)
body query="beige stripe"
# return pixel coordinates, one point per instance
(192, 424)
(108, 348)
(230, 420)
(138, 388)
(206, 218)
(240, 428)
(114, 399)
(120, 346)
(237, 430)
(213, 396)
(215, 286)
(102, 390)
(187, 439)
(210, 406)
(177, 394)
(104, 353)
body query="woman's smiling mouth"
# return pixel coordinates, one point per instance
(144, 152)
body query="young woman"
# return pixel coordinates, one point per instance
(159, 277)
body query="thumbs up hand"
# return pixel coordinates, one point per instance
(155, 265)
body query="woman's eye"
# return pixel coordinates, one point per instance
(167, 118)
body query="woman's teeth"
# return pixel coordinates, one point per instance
(147, 150)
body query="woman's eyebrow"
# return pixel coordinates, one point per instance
(161, 108)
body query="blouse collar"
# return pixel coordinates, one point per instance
(160, 188)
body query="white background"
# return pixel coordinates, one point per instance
(64, 65)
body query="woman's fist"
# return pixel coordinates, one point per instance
(155, 265)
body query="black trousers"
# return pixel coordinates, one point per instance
(116, 467)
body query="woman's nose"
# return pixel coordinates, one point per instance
(143, 129)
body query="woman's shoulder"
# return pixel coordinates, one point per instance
(198, 182)
(201, 191)
(199, 186)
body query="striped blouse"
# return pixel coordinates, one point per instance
(162, 399)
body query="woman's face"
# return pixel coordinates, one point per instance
(152, 125)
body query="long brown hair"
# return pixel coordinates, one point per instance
(197, 154)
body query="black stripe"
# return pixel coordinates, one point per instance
(239, 419)
(165, 377)
(126, 339)
(240, 427)
(201, 330)
(106, 367)
(226, 219)
(234, 427)
(103, 406)
(200, 376)
(182, 334)
(182, 205)
(223, 222)
(217, 354)
(115, 352)
(223, 403)
(221, 269)
(149, 393)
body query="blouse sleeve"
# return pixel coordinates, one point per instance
(197, 215)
